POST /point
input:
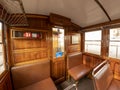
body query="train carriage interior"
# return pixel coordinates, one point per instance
(59, 44)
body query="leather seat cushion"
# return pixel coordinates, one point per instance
(46, 84)
(79, 71)
(30, 73)
(74, 60)
(115, 85)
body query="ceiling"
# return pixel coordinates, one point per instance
(82, 12)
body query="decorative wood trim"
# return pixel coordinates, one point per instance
(30, 50)
(32, 61)
(59, 20)
(109, 24)
(93, 55)
(28, 29)
(5, 81)
(37, 16)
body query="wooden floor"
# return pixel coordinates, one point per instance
(84, 84)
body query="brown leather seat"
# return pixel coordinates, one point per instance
(79, 71)
(35, 76)
(103, 78)
(75, 66)
(46, 84)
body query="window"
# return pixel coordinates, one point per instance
(75, 38)
(58, 42)
(93, 42)
(114, 43)
(2, 65)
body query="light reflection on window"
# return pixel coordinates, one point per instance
(2, 66)
(93, 42)
(114, 43)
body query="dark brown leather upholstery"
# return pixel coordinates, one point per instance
(46, 84)
(103, 78)
(74, 60)
(76, 68)
(79, 71)
(32, 75)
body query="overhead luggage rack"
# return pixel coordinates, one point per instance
(12, 12)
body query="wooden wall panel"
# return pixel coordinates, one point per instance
(29, 49)
(5, 82)
(115, 67)
(27, 44)
(73, 48)
(59, 20)
(91, 60)
(58, 69)
(28, 56)
(37, 22)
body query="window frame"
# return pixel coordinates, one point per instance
(93, 40)
(113, 58)
(3, 48)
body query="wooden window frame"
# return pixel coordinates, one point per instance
(83, 46)
(3, 49)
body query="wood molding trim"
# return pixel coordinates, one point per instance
(37, 16)
(110, 24)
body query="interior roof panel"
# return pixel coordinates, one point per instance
(81, 12)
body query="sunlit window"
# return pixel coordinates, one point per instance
(114, 43)
(93, 42)
(2, 66)
(58, 42)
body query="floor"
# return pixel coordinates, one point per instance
(84, 84)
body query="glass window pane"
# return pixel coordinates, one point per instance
(93, 42)
(0, 32)
(93, 35)
(114, 44)
(58, 42)
(2, 66)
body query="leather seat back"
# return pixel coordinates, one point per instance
(28, 74)
(74, 60)
(102, 77)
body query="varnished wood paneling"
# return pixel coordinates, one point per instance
(5, 82)
(26, 44)
(58, 69)
(28, 56)
(28, 49)
(36, 21)
(73, 48)
(91, 60)
(115, 67)
(59, 20)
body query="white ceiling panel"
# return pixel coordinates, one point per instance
(81, 12)
(112, 7)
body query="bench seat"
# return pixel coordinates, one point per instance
(46, 84)
(79, 71)
(34, 76)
